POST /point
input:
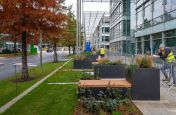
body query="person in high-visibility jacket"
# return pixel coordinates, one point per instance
(102, 52)
(167, 55)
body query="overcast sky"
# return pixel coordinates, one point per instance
(89, 6)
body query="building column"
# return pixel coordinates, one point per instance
(121, 44)
(163, 38)
(136, 46)
(151, 44)
(142, 45)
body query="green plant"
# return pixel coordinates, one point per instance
(118, 62)
(144, 61)
(103, 61)
(124, 101)
(130, 69)
(87, 76)
(91, 105)
(110, 105)
(116, 113)
(80, 57)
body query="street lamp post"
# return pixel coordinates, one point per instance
(40, 49)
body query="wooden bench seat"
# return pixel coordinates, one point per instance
(104, 84)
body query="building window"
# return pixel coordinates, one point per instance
(170, 33)
(170, 12)
(147, 15)
(139, 2)
(106, 29)
(107, 38)
(126, 7)
(139, 18)
(158, 12)
(170, 42)
(126, 27)
(170, 5)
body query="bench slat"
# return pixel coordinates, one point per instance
(104, 83)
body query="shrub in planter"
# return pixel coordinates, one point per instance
(110, 105)
(130, 70)
(87, 76)
(80, 62)
(92, 58)
(110, 70)
(79, 57)
(103, 61)
(91, 105)
(145, 80)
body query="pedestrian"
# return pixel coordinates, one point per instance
(102, 52)
(166, 54)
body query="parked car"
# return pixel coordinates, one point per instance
(49, 50)
(6, 51)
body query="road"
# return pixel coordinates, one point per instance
(8, 69)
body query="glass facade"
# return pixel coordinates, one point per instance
(147, 14)
(170, 38)
(122, 24)
(150, 13)
(139, 14)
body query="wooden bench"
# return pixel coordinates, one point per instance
(104, 84)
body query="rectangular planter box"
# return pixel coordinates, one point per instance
(92, 58)
(82, 64)
(146, 84)
(104, 71)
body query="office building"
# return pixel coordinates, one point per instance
(101, 34)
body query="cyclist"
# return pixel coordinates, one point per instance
(167, 55)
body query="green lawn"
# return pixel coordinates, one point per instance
(8, 88)
(50, 99)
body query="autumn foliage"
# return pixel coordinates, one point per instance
(27, 18)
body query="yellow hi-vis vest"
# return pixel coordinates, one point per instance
(170, 58)
(102, 51)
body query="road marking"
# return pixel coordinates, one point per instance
(16, 99)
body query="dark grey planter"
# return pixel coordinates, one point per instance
(92, 58)
(82, 64)
(146, 84)
(106, 71)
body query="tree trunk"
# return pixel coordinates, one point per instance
(55, 52)
(25, 73)
(15, 50)
(74, 50)
(69, 49)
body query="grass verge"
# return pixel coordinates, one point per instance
(50, 99)
(8, 88)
